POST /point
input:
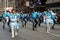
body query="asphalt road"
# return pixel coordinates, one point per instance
(27, 33)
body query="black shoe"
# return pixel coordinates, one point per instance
(33, 29)
(3, 27)
(17, 30)
(52, 27)
(22, 25)
(39, 25)
(10, 30)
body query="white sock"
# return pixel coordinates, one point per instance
(16, 33)
(12, 31)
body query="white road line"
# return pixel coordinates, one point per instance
(51, 34)
(54, 34)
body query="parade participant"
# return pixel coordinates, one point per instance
(53, 16)
(5, 18)
(34, 17)
(23, 17)
(29, 18)
(39, 18)
(44, 15)
(14, 25)
(48, 21)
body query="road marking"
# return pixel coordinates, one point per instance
(50, 33)
(54, 34)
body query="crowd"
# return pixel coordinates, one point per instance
(48, 17)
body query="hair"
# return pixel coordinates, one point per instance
(47, 9)
(13, 10)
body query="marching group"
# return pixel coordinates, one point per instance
(36, 17)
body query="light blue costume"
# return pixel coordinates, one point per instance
(48, 19)
(13, 20)
(53, 15)
(39, 14)
(39, 18)
(5, 19)
(29, 18)
(34, 19)
(4, 16)
(22, 16)
(23, 19)
(34, 15)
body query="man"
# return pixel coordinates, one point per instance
(34, 17)
(39, 18)
(48, 21)
(4, 16)
(14, 25)
(53, 16)
(23, 17)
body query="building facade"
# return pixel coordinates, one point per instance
(6, 3)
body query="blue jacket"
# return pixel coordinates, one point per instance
(22, 16)
(13, 17)
(5, 15)
(47, 14)
(34, 15)
(39, 14)
(53, 16)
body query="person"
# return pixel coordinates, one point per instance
(23, 18)
(14, 25)
(53, 16)
(44, 15)
(5, 18)
(34, 18)
(47, 20)
(39, 18)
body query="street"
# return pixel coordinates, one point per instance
(26, 33)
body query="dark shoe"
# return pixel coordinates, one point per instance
(3, 27)
(10, 30)
(52, 27)
(39, 25)
(33, 29)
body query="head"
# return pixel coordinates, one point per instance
(54, 11)
(48, 9)
(23, 11)
(13, 11)
(33, 10)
